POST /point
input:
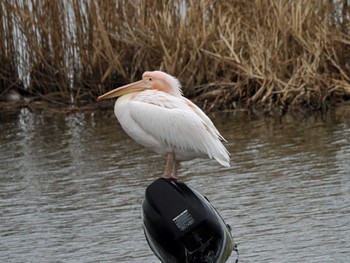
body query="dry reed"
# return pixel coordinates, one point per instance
(228, 54)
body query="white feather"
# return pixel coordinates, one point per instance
(166, 123)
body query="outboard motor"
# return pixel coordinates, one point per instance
(181, 225)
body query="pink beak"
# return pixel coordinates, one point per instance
(129, 88)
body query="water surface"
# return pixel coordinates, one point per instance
(71, 188)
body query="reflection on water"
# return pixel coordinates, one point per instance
(71, 188)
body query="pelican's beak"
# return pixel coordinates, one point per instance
(132, 87)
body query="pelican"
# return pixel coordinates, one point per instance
(154, 113)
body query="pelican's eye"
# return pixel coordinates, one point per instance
(150, 79)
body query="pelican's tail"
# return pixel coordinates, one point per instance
(223, 158)
(220, 153)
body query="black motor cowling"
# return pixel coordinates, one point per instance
(181, 225)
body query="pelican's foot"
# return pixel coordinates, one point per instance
(170, 177)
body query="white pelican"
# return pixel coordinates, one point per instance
(153, 112)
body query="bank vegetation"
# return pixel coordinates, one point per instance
(263, 54)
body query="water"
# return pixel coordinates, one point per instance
(71, 188)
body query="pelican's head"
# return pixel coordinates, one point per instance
(151, 80)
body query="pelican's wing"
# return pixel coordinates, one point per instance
(173, 122)
(205, 118)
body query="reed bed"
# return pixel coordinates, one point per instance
(262, 54)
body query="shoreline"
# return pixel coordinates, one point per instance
(42, 106)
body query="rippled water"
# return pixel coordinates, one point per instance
(71, 188)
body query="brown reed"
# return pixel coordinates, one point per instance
(266, 54)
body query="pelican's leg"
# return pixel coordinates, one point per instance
(175, 169)
(169, 165)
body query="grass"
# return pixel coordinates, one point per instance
(266, 54)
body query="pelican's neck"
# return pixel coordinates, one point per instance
(177, 92)
(176, 89)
